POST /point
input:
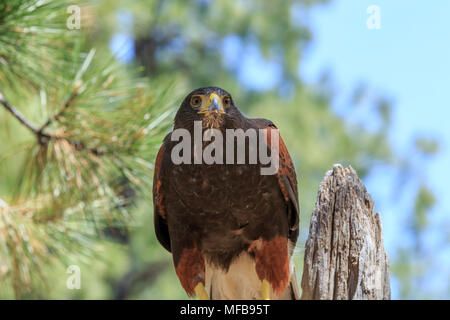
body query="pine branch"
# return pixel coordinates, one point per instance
(33, 37)
(100, 137)
(17, 115)
(42, 137)
(79, 146)
(65, 106)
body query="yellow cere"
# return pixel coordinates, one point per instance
(206, 102)
(212, 96)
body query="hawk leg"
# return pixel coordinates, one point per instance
(272, 264)
(200, 291)
(265, 290)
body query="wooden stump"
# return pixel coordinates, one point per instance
(344, 254)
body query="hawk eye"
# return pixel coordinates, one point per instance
(196, 101)
(226, 101)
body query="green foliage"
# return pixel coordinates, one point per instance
(410, 267)
(33, 38)
(99, 127)
(425, 201)
(427, 146)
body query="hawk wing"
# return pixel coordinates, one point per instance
(286, 176)
(159, 210)
(287, 180)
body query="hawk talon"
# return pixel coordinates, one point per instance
(200, 291)
(265, 290)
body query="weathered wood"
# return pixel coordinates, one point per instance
(344, 253)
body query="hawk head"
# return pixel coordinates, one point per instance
(211, 105)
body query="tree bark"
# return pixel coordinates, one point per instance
(344, 254)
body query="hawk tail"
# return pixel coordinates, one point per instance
(294, 293)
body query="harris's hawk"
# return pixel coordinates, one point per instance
(230, 228)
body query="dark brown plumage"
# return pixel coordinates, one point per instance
(211, 216)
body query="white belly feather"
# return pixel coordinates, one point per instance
(240, 282)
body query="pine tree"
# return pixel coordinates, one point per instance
(84, 132)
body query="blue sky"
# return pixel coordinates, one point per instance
(408, 60)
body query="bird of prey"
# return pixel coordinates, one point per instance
(231, 230)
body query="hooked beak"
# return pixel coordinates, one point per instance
(214, 106)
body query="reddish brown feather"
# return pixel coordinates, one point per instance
(272, 256)
(286, 167)
(190, 269)
(272, 262)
